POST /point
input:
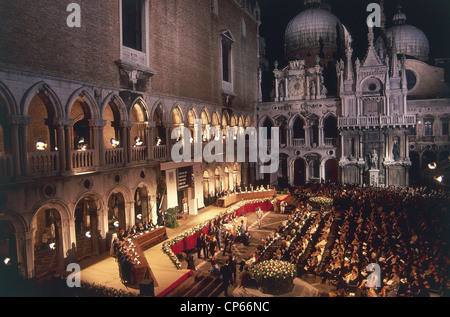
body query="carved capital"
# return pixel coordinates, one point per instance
(19, 120)
(97, 123)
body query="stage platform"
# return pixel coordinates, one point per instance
(103, 270)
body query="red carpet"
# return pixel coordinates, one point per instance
(175, 284)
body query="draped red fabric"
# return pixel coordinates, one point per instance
(190, 242)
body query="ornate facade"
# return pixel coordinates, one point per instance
(388, 119)
(87, 116)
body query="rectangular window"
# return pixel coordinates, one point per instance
(428, 128)
(226, 48)
(371, 108)
(132, 24)
(444, 128)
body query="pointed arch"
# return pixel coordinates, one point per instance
(265, 119)
(225, 119)
(241, 122)
(119, 106)
(233, 121)
(192, 115)
(87, 96)
(248, 122)
(139, 101)
(177, 115)
(215, 119)
(159, 108)
(294, 117)
(205, 117)
(8, 98)
(50, 98)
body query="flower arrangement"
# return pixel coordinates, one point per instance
(317, 202)
(58, 286)
(274, 276)
(166, 246)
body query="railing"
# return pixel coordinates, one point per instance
(114, 156)
(6, 165)
(82, 159)
(159, 152)
(138, 153)
(298, 142)
(43, 162)
(381, 121)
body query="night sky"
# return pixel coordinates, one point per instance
(430, 16)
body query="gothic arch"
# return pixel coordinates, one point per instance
(176, 109)
(215, 119)
(53, 105)
(10, 102)
(191, 114)
(143, 106)
(326, 116)
(293, 118)
(87, 96)
(159, 106)
(120, 106)
(263, 119)
(205, 115)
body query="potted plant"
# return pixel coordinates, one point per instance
(274, 277)
(172, 221)
(317, 202)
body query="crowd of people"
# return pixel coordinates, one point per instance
(375, 242)
(124, 249)
(398, 236)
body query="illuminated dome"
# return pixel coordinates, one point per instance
(313, 30)
(409, 40)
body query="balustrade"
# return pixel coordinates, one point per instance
(43, 162)
(82, 159)
(114, 156)
(6, 165)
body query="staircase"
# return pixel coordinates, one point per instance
(44, 261)
(198, 284)
(84, 247)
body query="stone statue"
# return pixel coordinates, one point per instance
(317, 60)
(373, 156)
(396, 149)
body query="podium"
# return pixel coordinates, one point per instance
(374, 177)
(147, 288)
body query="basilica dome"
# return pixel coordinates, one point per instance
(315, 30)
(409, 40)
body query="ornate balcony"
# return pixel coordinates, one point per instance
(377, 121)
(43, 162)
(159, 152)
(114, 156)
(82, 160)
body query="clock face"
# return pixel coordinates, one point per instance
(296, 87)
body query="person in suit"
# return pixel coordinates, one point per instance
(213, 248)
(259, 215)
(190, 262)
(206, 242)
(225, 273)
(226, 241)
(199, 245)
(122, 235)
(232, 262)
